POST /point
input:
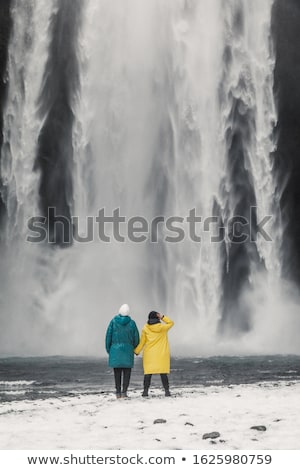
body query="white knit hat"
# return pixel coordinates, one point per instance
(124, 310)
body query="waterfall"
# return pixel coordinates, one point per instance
(60, 84)
(248, 110)
(5, 28)
(155, 109)
(20, 121)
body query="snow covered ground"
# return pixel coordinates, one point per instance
(102, 422)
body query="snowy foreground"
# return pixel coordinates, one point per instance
(102, 422)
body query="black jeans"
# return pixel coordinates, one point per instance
(126, 373)
(164, 380)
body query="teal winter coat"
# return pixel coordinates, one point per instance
(122, 337)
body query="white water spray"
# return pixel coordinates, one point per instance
(149, 138)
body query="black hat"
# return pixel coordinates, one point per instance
(152, 315)
(152, 318)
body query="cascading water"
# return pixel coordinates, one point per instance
(248, 111)
(158, 109)
(21, 264)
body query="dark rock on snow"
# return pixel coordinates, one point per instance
(211, 435)
(159, 421)
(259, 428)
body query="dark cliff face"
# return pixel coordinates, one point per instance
(5, 28)
(56, 103)
(240, 253)
(286, 37)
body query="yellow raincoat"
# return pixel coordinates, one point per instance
(154, 340)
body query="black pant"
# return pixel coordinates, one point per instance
(126, 372)
(164, 380)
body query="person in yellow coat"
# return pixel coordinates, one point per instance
(156, 355)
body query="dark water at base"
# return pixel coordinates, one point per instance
(40, 378)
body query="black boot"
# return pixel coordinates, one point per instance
(165, 382)
(147, 382)
(126, 380)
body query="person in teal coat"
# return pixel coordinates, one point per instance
(122, 336)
